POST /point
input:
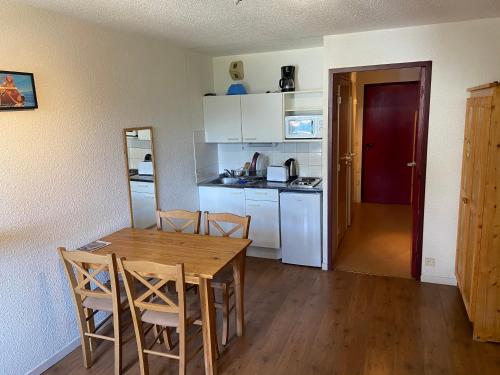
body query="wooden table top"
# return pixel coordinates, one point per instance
(203, 256)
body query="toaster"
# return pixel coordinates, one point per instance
(277, 173)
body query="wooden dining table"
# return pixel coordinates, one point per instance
(203, 257)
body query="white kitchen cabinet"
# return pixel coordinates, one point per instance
(144, 135)
(222, 200)
(222, 117)
(265, 223)
(262, 117)
(263, 206)
(143, 203)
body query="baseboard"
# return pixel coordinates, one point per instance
(264, 252)
(49, 362)
(438, 280)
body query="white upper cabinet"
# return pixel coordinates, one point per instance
(144, 135)
(262, 117)
(222, 116)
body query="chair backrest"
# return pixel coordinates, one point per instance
(153, 277)
(84, 269)
(240, 223)
(172, 217)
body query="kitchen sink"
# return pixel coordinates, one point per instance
(236, 180)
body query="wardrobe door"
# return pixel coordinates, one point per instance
(472, 196)
(487, 293)
(464, 213)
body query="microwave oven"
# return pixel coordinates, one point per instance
(303, 127)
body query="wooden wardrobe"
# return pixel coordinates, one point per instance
(478, 242)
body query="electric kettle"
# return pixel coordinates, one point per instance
(292, 168)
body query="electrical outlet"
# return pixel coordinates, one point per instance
(430, 262)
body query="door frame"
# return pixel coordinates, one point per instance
(421, 155)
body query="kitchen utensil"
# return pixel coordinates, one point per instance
(253, 165)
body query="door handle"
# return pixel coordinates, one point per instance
(411, 164)
(369, 145)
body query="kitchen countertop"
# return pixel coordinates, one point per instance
(264, 184)
(142, 178)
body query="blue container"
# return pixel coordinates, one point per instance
(236, 89)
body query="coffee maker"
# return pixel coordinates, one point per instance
(287, 78)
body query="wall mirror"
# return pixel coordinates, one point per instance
(141, 176)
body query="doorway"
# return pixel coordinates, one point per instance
(378, 120)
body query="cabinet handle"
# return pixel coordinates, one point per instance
(250, 139)
(465, 200)
(233, 139)
(253, 205)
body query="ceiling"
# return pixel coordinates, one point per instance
(219, 27)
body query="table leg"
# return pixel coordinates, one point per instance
(209, 332)
(239, 288)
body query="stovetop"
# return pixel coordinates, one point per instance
(306, 182)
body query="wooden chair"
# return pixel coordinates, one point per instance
(224, 280)
(159, 307)
(190, 218)
(90, 295)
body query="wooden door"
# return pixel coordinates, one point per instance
(388, 142)
(477, 125)
(344, 156)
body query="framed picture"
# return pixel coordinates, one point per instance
(17, 91)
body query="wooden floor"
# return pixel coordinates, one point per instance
(306, 321)
(378, 242)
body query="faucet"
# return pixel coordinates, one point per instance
(230, 174)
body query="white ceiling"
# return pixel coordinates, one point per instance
(219, 27)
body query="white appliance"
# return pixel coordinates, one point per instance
(301, 228)
(277, 173)
(306, 182)
(303, 127)
(145, 167)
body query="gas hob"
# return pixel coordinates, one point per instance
(306, 182)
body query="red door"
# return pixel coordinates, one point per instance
(388, 142)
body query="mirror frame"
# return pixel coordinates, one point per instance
(127, 173)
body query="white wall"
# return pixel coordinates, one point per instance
(464, 54)
(62, 167)
(306, 154)
(263, 70)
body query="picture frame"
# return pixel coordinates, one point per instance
(17, 91)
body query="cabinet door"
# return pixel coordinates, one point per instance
(144, 135)
(144, 209)
(221, 200)
(265, 223)
(262, 117)
(222, 117)
(472, 197)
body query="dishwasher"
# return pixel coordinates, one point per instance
(301, 228)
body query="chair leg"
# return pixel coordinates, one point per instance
(86, 351)
(182, 350)
(167, 339)
(118, 342)
(155, 333)
(90, 329)
(84, 339)
(225, 314)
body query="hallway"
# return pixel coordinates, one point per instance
(378, 242)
